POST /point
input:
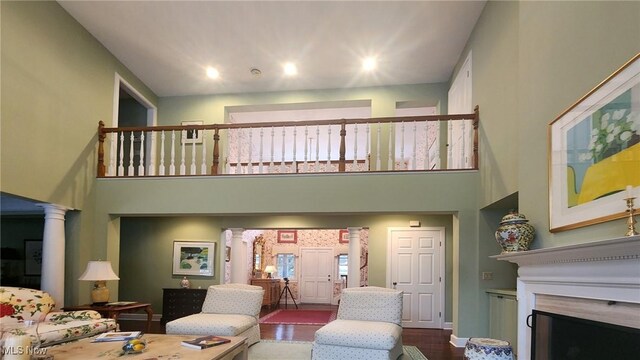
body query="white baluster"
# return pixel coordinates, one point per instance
(402, 146)
(161, 168)
(271, 165)
(121, 162)
(239, 147)
(436, 143)
(427, 155)
(355, 147)
(192, 168)
(283, 168)
(378, 158)
(152, 156)
(141, 165)
(463, 150)
(203, 166)
(293, 161)
(112, 154)
(328, 168)
(130, 169)
(391, 163)
(250, 162)
(317, 148)
(260, 163)
(368, 149)
(172, 165)
(415, 144)
(449, 144)
(306, 148)
(183, 166)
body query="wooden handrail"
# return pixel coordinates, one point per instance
(295, 123)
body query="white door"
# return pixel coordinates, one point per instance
(460, 133)
(315, 275)
(415, 264)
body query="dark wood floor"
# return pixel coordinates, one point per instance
(433, 343)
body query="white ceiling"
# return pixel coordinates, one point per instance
(169, 44)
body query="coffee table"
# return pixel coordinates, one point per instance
(158, 346)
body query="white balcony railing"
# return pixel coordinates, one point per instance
(414, 143)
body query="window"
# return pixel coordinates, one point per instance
(286, 265)
(343, 264)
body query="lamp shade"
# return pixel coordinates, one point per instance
(99, 270)
(270, 269)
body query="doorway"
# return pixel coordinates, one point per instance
(316, 283)
(460, 134)
(132, 109)
(415, 265)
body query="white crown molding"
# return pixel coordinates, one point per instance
(624, 248)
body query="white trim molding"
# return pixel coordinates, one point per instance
(600, 270)
(458, 342)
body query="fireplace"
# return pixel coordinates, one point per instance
(556, 336)
(597, 283)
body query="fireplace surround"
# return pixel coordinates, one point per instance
(597, 280)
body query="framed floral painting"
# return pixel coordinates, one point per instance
(594, 153)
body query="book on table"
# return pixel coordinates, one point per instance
(118, 336)
(205, 342)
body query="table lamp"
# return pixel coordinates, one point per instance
(100, 272)
(270, 269)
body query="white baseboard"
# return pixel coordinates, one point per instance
(139, 317)
(458, 341)
(447, 326)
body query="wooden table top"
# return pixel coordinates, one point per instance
(158, 346)
(106, 307)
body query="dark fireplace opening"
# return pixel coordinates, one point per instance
(560, 337)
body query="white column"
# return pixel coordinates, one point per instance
(239, 271)
(353, 270)
(53, 244)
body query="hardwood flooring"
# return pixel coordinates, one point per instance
(433, 343)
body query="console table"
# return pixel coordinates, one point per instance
(114, 310)
(271, 290)
(177, 303)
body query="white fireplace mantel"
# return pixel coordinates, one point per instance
(599, 270)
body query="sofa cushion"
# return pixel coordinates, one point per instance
(25, 304)
(371, 303)
(211, 324)
(233, 299)
(360, 334)
(56, 332)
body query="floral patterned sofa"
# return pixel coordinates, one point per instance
(368, 327)
(19, 304)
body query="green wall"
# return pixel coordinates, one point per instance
(57, 83)
(145, 235)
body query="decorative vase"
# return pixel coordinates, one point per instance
(515, 233)
(185, 283)
(487, 349)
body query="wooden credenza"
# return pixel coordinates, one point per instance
(271, 290)
(177, 303)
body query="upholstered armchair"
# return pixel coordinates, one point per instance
(228, 310)
(368, 326)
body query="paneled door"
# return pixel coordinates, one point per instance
(415, 266)
(315, 275)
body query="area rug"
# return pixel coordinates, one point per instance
(299, 317)
(301, 350)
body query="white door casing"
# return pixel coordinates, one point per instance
(316, 282)
(415, 264)
(460, 134)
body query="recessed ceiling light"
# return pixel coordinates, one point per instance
(212, 73)
(290, 69)
(369, 63)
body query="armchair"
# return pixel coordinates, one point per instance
(228, 310)
(368, 326)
